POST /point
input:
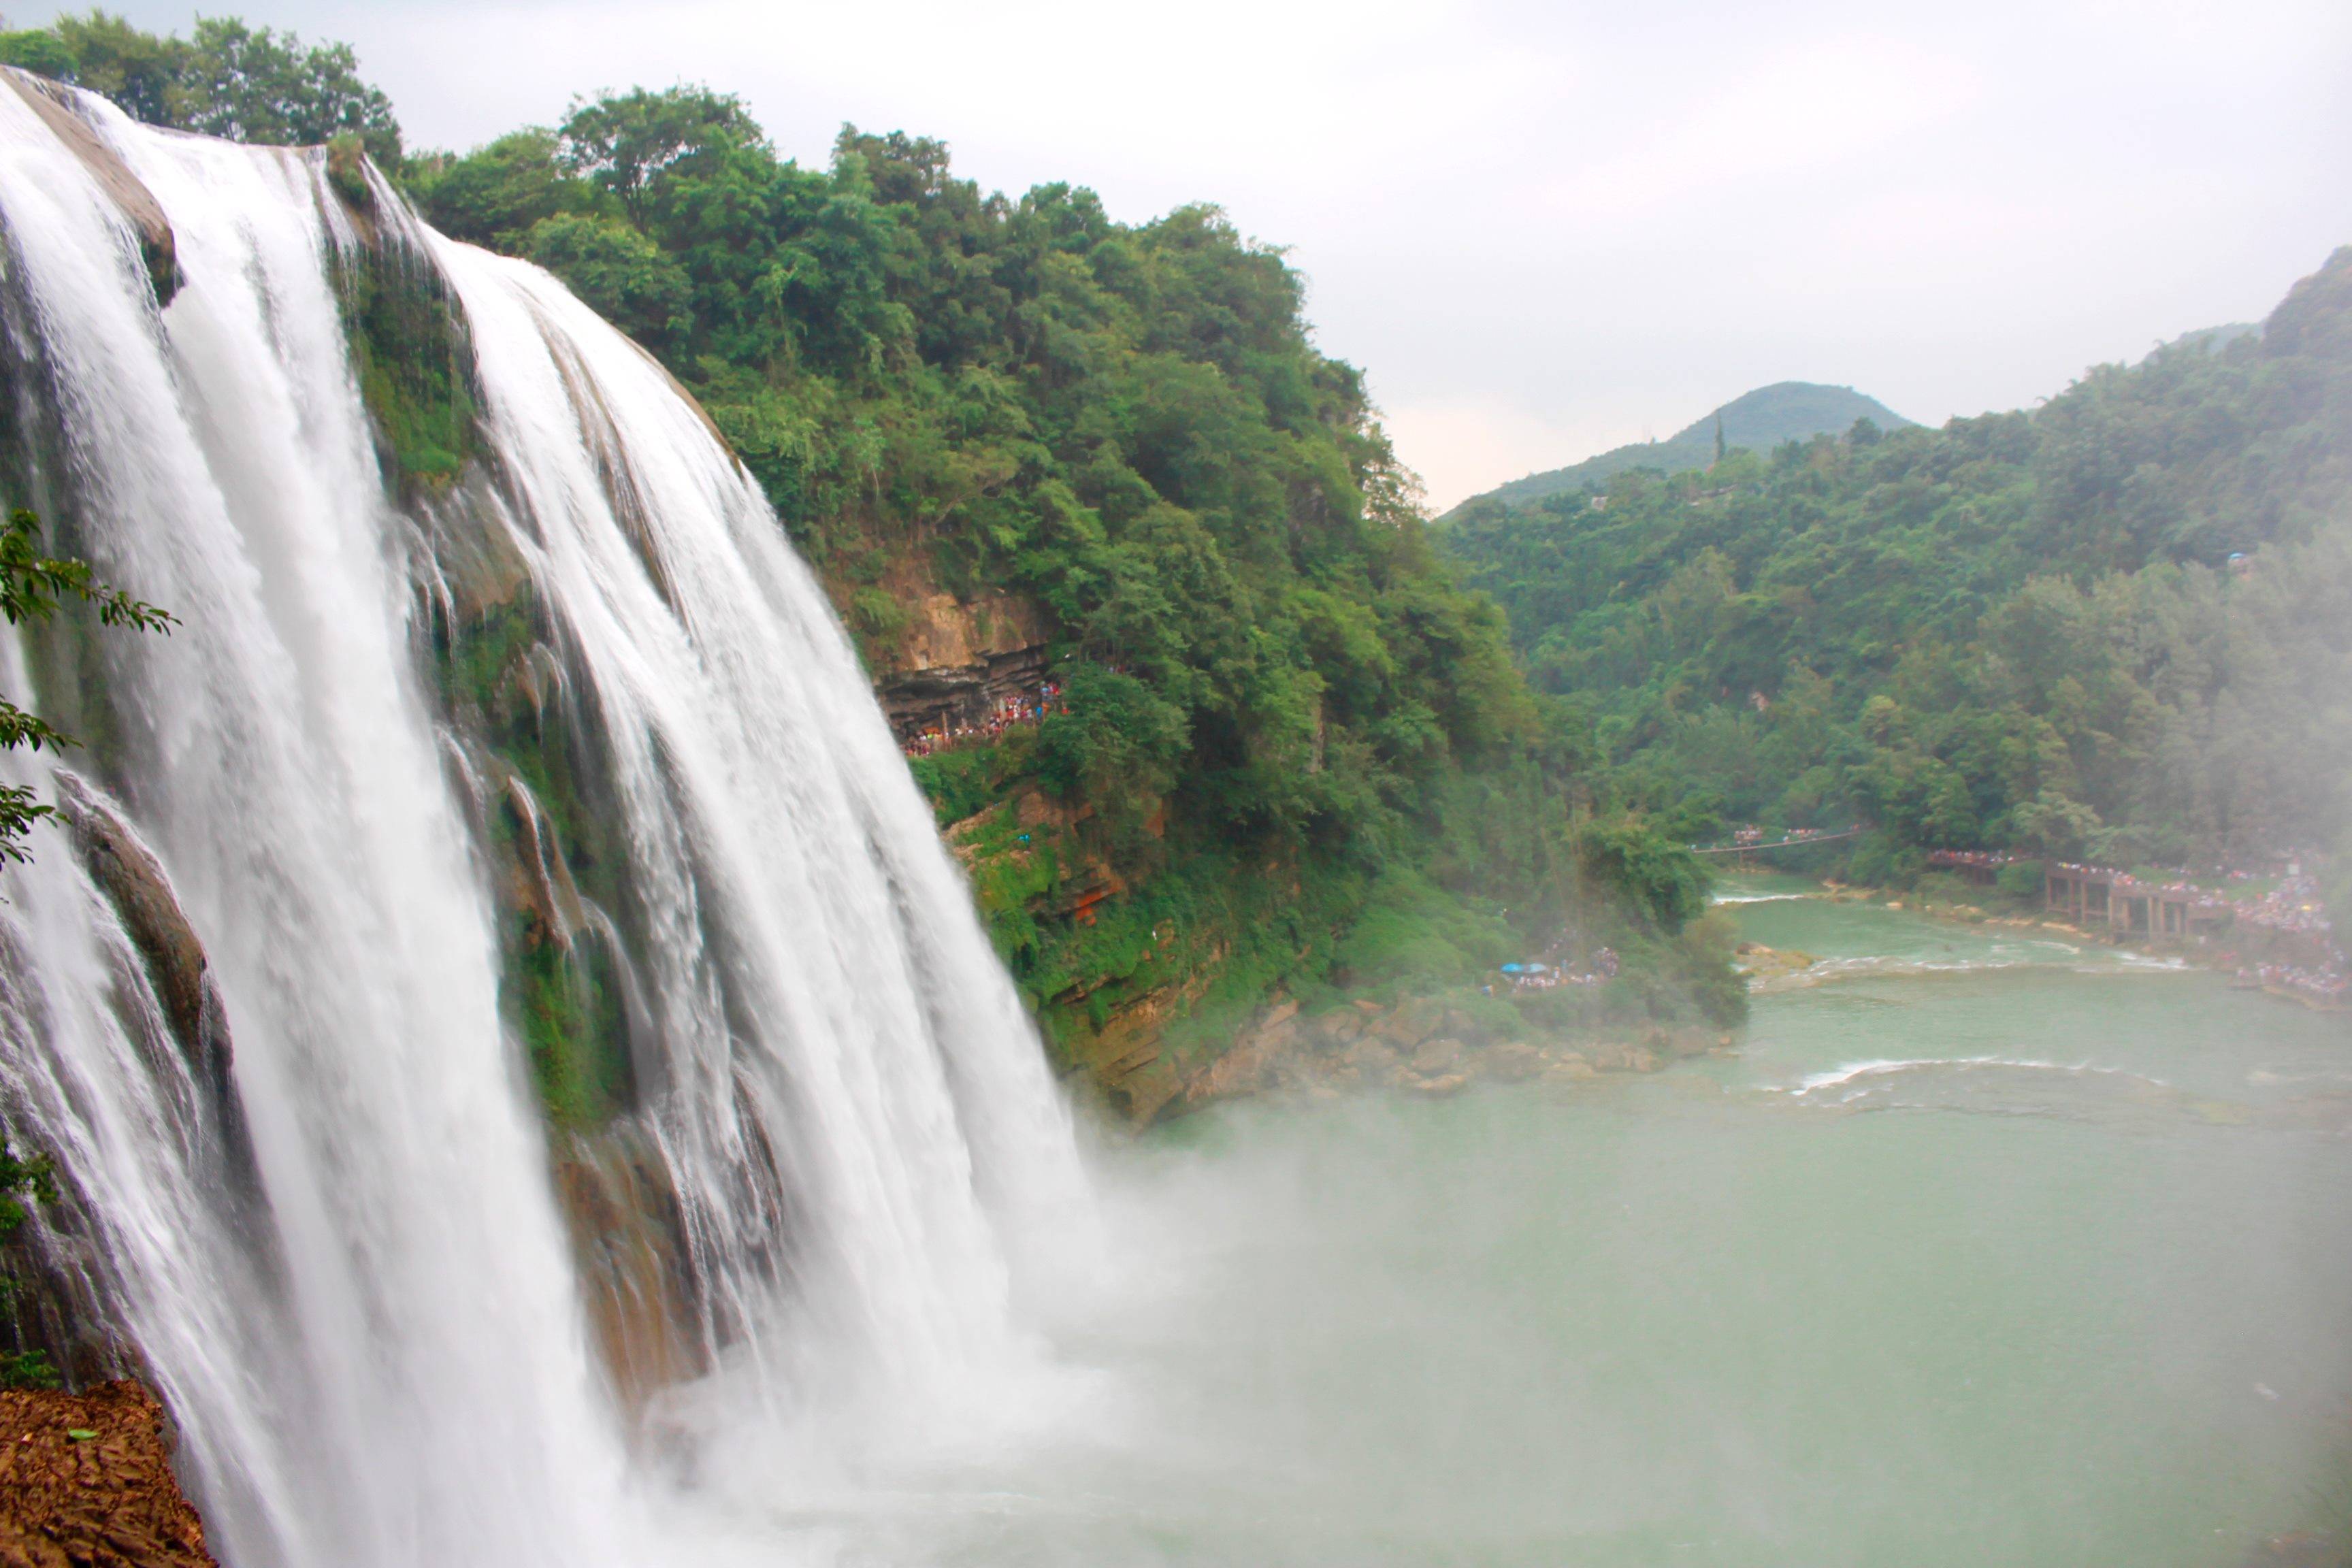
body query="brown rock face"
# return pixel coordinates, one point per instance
(1415, 1020)
(174, 956)
(134, 880)
(629, 1237)
(956, 659)
(106, 1498)
(1437, 1056)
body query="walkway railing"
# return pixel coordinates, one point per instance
(1790, 842)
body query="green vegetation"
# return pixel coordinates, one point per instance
(409, 353)
(2117, 626)
(1273, 688)
(22, 1178)
(33, 586)
(552, 840)
(1759, 420)
(243, 83)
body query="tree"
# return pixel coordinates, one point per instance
(495, 197)
(245, 84)
(1659, 878)
(254, 85)
(625, 142)
(32, 587)
(138, 71)
(618, 273)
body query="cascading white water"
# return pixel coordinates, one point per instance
(864, 1141)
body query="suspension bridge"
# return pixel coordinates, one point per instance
(1792, 841)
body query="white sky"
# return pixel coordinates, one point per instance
(1547, 229)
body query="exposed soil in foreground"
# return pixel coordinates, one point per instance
(86, 1482)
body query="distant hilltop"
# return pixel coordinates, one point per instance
(1759, 420)
(2212, 339)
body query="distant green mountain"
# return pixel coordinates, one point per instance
(2112, 626)
(2212, 339)
(1760, 421)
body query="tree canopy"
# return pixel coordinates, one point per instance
(1128, 423)
(1270, 677)
(231, 80)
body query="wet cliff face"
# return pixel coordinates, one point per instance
(527, 751)
(56, 107)
(536, 774)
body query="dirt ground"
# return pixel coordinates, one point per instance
(86, 1481)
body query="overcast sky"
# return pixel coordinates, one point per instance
(1544, 230)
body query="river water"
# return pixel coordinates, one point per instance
(1982, 1249)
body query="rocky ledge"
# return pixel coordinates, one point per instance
(1419, 1046)
(86, 1481)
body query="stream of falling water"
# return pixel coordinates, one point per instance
(381, 1359)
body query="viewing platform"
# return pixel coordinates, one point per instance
(2101, 895)
(2128, 906)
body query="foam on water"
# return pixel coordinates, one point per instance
(2058, 956)
(1855, 1072)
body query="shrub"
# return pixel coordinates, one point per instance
(1113, 738)
(2021, 879)
(1660, 878)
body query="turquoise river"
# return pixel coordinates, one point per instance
(1981, 1248)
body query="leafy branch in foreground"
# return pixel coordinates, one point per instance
(32, 587)
(22, 1178)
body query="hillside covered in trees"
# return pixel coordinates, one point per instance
(2116, 627)
(1288, 750)
(1759, 420)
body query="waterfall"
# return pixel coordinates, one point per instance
(375, 1346)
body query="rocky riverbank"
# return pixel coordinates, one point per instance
(2259, 958)
(1419, 1046)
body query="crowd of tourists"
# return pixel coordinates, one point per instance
(1539, 976)
(2293, 908)
(1025, 706)
(1750, 835)
(2330, 984)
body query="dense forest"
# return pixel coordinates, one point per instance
(2116, 627)
(1290, 748)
